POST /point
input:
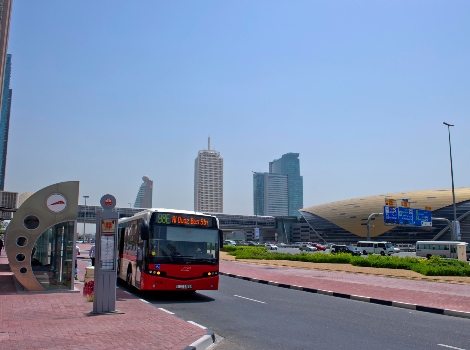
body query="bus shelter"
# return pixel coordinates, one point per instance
(40, 239)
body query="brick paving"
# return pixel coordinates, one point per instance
(62, 320)
(429, 294)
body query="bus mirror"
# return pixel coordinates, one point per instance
(221, 238)
(144, 230)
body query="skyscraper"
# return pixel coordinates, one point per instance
(279, 192)
(209, 181)
(5, 121)
(144, 196)
(5, 91)
(270, 194)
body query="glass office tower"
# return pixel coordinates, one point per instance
(289, 165)
(5, 121)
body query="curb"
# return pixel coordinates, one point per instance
(202, 343)
(447, 312)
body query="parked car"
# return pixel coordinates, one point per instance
(341, 248)
(320, 247)
(271, 246)
(397, 250)
(230, 242)
(307, 247)
(253, 243)
(282, 245)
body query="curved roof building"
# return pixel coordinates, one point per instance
(346, 220)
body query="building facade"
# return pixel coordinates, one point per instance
(145, 194)
(279, 192)
(209, 181)
(8, 200)
(346, 221)
(5, 16)
(270, 192)
(5, 121)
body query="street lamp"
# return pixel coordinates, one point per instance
(84, 220)
(256, 205)
(452, 178)
(130, 205)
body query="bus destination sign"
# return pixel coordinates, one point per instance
(183, 219)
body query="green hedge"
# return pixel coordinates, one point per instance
(436, 266)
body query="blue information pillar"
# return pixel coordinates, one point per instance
(106, 257)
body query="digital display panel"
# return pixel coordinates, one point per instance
(183, 220)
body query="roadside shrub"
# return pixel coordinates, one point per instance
(435, 266)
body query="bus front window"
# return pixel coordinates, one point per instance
(181, 245)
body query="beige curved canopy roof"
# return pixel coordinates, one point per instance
(352, 214)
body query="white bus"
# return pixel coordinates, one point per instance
(370, 247)
(445, 249)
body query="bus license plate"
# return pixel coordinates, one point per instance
(184, 286)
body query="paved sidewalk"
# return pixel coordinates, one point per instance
(442, 298)
(62, 320)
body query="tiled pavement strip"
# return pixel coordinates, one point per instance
(61, 320)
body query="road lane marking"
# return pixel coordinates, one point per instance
(197, 324)
(238, 296)
(169, 312)
(450, 347)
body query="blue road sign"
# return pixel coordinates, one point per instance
(390, 215)
(407, 216)
(422, 217)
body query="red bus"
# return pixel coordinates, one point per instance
(165, 249)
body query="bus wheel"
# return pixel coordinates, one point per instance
(364, 252)
(382, 253)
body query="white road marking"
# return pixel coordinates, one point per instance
(145, 301)
(450, 347)
(197, 324)
(238, 296)
(169, 312)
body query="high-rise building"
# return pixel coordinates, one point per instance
(279, 192)
(270, 194)
(209, 181)
(5, 121)
(5, 91)
(144, 196)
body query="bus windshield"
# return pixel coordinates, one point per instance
(183, 245)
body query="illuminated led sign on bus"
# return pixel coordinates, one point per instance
(184, 220)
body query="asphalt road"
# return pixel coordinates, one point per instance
(255, 316)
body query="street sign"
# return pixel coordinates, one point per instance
(422, 217)
(407, 216)
(390, 215)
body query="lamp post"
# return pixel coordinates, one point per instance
(452, 178)
(256, 205)
(84, 220)
(130, 205)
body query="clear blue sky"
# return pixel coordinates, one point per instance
(106, 91)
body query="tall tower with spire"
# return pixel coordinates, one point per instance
(209, 181)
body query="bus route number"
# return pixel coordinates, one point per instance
(163, 219)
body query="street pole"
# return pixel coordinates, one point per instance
(452, 178)
(256, 206)
(84, 220)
